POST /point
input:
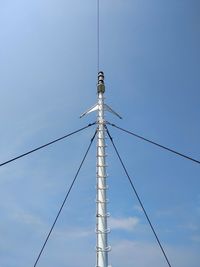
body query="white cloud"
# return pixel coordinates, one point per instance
(127, 224)
(28, 218)
(129, 253)
(137, 208)
(190, 226)
(76, 232)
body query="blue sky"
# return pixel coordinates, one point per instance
(149, 52)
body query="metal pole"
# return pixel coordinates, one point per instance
(102, 247)
(101, 201)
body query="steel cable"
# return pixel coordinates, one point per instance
(139, 200)
(45, 145)
(64, 201)
(156, 144)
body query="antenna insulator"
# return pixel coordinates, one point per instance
(100, 85)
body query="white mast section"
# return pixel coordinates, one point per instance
(101, 215)
(102, 229)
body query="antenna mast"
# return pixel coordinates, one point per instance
(102, 231)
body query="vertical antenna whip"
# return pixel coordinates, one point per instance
(98, 46)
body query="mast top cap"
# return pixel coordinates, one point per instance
(100, 73)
